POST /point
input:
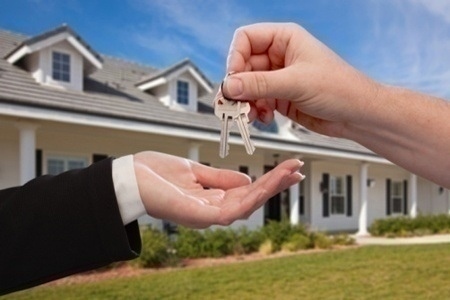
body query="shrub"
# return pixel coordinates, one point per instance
(155, 249)
(297, 242)
(246, 241)
(280, 232)
(406, 226)
(266, 248)
(217, 242)
(189, 243)
(321, 240)
(343, 240)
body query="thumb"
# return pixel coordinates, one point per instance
(277, 84)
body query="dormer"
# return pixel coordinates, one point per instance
(58, 58)
(177, 87)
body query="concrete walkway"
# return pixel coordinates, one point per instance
(430, 239)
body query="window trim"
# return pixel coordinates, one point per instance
(61, 73)
(66, 160)
(342, 195)
(400, 197)
(185, 89)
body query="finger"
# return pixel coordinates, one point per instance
(255, 85)
(255, 39)
(218, 178)
(242, 202)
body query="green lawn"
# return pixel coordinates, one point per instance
(370, 272)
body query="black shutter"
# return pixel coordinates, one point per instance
(349, 196)
(325, 188)
(243, 169)
(405, 198)
(38, 162)
(301, 206)
(388, 197)
(98, 157)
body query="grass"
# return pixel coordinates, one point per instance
(370, 272)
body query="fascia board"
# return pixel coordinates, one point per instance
(24, 50)
(182, 132)
(84, 52)
(152, 84)
(200, 80)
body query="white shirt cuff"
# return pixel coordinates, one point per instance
(127, 190)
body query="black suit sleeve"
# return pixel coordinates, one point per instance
(54, 226)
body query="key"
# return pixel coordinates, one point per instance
(222, 111)
(242, 122)
(229, 111)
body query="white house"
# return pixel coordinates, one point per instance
(64, 106)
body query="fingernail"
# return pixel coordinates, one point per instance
(233, 87)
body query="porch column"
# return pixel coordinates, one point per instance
(194, 151)
(294, 198)
(362, 226)
(448, 200)
(413, 195)
(27, 151)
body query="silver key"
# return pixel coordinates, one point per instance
(230, 111)
(242, 121)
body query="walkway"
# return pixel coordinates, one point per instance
(430, 239)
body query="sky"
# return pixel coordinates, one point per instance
(398, 42)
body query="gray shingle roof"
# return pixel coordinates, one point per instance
(112, 92)
(50, 33)
(173, 68)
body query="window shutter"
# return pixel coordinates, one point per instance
(349, 196)
(301, 206)
(98, 157)
(405, 198)
(325, 188)
(38, 162)
(388, 197)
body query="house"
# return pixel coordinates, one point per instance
(65, 106)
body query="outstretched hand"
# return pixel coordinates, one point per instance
(197, 196)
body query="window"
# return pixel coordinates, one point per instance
(337, 195)
(397, 197)
(59, 164)
(61, 66)
(182, 92)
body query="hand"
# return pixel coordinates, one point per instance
(282, 67)
(194, 195)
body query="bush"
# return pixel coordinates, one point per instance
(321, 241)
(266, 248)
(189, 243)
(343, 240)
(281, 232)
(217, 242)
(246, 241)
(155, 249)
(297, 242)
(406, 226)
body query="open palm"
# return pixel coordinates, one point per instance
(194, 195)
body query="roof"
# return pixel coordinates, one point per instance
(159, 77)
(62, 32)
(111, 92)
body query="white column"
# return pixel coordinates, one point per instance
(413, 195)
(448, 201)
(362, 225)
(294, 198)
(27, 151)
(194, 151)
